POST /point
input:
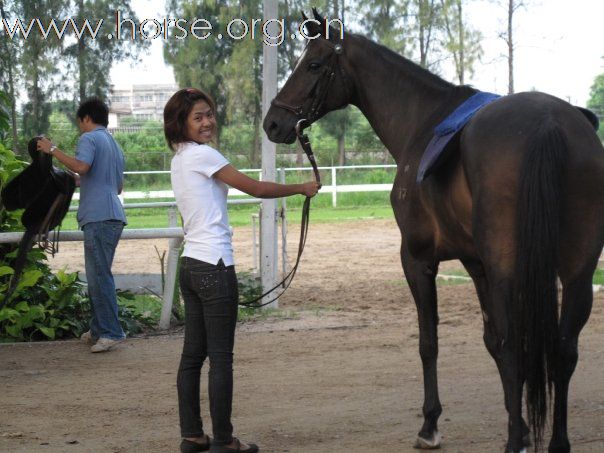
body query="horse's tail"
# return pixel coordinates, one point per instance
(25, 246)
(536, 299)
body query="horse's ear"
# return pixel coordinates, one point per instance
(317, 15)
(304, 18)
(312, 27)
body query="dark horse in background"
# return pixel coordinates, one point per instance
(518, 201)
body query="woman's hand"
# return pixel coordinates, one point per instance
(310, 188)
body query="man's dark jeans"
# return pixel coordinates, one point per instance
(210, 294)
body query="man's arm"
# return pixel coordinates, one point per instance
(71, 163)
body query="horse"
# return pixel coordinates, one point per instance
(518, 200)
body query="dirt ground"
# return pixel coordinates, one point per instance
(338, 372)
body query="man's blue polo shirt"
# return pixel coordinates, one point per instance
(99, 187)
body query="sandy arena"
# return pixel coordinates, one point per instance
(339, 372)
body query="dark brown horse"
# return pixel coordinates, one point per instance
(519, 201)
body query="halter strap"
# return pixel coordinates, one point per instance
(309, 108)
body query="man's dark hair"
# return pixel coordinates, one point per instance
(96, 109)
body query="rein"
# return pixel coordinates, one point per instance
(305, 143)
(307, 112)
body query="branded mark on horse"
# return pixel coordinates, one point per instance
(518, 200)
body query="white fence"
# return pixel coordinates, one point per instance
(175, 234)
(333, 188)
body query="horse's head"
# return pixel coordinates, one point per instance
(317, 85)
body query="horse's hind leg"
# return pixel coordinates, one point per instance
(491, 340)
(577, 300)
(421, 276)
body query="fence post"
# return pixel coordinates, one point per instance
(283, 227)
(334, 184)
(171, 271)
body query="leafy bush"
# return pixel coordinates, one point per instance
(44, 305)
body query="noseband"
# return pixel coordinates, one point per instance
(309, 108)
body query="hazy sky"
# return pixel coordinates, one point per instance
(559, 48)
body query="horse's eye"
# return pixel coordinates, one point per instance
(313, 66)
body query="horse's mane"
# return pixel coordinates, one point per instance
(425, 80)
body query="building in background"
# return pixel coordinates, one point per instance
(138, 104)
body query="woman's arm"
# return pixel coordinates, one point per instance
(264, 189)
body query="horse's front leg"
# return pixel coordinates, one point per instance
(421, 276)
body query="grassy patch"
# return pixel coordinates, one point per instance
(241, 215)
(253, 314)
(598, 277)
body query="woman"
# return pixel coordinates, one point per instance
(208, 283)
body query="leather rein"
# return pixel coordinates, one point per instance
(305, 143)
(307, 112)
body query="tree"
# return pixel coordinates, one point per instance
(511, 7)
(38, 56)
(200, 63)
(387, 22)
(596, 100)
(93, 57)
(9, 60)
(462, 42)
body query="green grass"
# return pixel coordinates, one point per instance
(350, 207)
(598, 277)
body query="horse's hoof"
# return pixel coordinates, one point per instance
(428, 444)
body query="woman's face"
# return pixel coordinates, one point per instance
(201, 123)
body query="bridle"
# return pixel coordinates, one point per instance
(310, 108)
(306, 112)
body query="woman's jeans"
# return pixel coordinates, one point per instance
(100, 242)
(210, 294)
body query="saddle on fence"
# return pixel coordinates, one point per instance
(45, 193)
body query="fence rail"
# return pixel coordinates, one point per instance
(333, 188)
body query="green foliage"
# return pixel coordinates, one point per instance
(4, 113)
(44, 305)
(250, 286)
(47, 306)
(138, 312)
(596, 101)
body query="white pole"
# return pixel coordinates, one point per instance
(268, 218)
(171, 271)
(334, 183)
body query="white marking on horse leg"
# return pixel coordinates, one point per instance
(429, 444)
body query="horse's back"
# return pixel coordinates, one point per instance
(494, 147)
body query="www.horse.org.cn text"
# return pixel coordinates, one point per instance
(272, 31)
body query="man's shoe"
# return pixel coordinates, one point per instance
(87, 338)
(105, 344)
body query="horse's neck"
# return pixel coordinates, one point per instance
(398, 98)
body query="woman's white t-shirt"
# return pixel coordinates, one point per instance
(202, 202)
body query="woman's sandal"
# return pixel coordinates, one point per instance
(252, 448)
(189, 446)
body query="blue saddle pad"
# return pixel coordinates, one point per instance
(451, 125)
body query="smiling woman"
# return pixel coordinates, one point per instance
(208, 282)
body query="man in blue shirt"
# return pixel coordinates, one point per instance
(100, 163)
